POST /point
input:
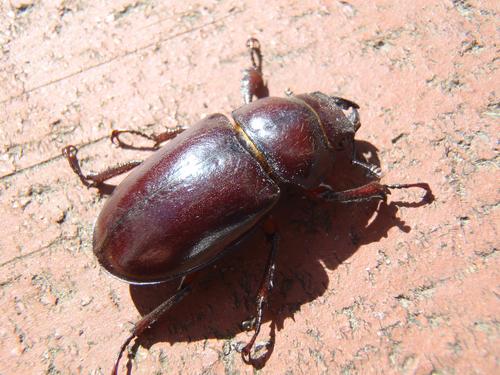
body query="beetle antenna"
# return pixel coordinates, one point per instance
(372, 169)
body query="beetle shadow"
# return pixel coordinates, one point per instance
(314, 235)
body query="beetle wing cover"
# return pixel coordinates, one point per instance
(183, 206)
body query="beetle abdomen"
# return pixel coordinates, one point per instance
(183, 206)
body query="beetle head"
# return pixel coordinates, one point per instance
(339, 126)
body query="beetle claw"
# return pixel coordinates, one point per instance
(69, 151)
(253, 357)
(120, 353)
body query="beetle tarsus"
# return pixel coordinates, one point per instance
(96, 180)
(148, 320)
(70, 152)
(428, 197)
(253, 45)
(262, 296)
(372, 190)
(120, 354)
(252, 83)
(170, 133)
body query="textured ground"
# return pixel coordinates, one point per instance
(406, 290)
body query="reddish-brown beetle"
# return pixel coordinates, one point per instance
(182, 207)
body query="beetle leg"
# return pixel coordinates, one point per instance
(372, 190)
(96, 179)
(151, 318)
(252, 83)
(156, 138)
(266, 286)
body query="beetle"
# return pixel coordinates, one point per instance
(210, 184)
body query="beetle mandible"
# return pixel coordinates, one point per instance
(177, 211)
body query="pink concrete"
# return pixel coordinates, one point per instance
(408, 290)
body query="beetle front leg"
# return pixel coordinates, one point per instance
(170, 133)
(96, 179)
(265, 288)
(372, 190)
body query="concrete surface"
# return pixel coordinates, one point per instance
(405, 290)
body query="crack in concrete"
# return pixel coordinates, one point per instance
(59, 239)
(123, 55)
(49, 160)
(128, 53)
